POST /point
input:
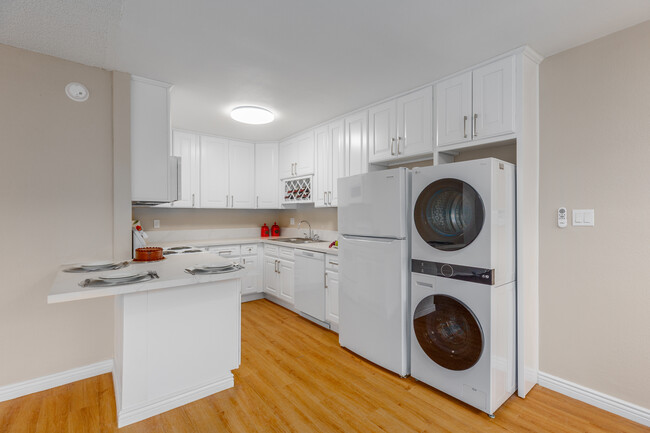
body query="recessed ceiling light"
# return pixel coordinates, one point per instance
(252, 115)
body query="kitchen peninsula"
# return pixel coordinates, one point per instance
(177, 337)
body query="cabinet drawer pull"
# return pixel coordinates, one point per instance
(464, 126)
(329, 201)
(392, 145)
(475, 122)
(326, 280)
(192, 200)
(333, 263)
(399, 139)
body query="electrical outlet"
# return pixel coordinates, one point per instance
(292, 221)
(156, 224)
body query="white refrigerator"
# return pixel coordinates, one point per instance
(374, 267)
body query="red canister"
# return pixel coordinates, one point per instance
(265, 231)
(275, 229)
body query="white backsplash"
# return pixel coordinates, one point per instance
(165, 236)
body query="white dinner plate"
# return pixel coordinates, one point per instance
(122, 276)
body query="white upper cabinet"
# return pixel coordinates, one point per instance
(242, 174)
(329, 163)
(476, 105)
(494, 98)
(266, 176)
(401, 128)
(154, 176)
(454, 109)
(415, 124)
(356, 143)
(186, 146)
(305, 161)
(382, 134)
(287, 159)
(215, 167)
(297, 156)
(322, 177)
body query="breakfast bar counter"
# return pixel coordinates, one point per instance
(177, 337)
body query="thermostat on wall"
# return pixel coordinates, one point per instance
(561, 217)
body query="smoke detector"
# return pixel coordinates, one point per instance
(77, 92)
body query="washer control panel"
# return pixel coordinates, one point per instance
(457, 272)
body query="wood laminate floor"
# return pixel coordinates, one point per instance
(295, 377)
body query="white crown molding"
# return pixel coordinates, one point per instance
(31, 386)
(606, 402)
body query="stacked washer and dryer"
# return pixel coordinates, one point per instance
(463, 280)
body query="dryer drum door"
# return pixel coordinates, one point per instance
(449, 214)
(448, 332)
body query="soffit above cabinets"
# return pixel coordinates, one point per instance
(306, 61)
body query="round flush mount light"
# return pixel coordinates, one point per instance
(77, 92)
(252, 115)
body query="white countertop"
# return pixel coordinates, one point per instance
(320, 247)
(171, 272)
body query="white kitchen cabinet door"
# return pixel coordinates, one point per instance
(356, 143)
(337, 166)
(271, 276)
(242, 174)
(415, 123)
(214, 172)
(305, 154)
(266, 176)
(186, 146)
(249, 280)
(382, 121)
(286, 280)
(494, 99)
(288, 151)
(150, 144)
(332, 297)
(322, 177)
(454, 110)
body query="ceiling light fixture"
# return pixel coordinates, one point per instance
(252, 115)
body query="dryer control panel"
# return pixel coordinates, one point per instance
(456, 272)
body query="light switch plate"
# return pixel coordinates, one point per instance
(292, 221)
(583, 217)
(156, 224)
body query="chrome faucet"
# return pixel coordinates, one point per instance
(311, 235)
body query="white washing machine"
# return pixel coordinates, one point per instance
(464, 215)
(463, 339)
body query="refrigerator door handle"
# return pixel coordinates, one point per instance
(370, 238)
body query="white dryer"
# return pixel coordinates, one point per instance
(463, 339)
(464, 215)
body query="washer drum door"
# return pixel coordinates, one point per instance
(449, 214)
(448, 332)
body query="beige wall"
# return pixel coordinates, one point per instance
(57, 207)
(319, 218)
(505, 152)
(595, 153)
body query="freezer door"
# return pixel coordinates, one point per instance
(374, 204)
(373, 300)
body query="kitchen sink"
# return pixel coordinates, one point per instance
(296, 240)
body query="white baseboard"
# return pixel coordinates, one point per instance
(31, 386)
(606, 402)
(252, 297)
(130, 416)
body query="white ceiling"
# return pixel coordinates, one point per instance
(306, 60)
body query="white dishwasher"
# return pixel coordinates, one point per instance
(309, 283)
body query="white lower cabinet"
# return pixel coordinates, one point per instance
(286, 280)
(332, 289)
(247, 256)
(278, 272)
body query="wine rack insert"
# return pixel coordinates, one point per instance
(298, 190)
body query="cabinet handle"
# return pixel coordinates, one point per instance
(192, 200)
(475, 128)
(464, 126)
(276, 266)
(279, 269)
(326, 280)
(329, 200)
(392, 144)
(398, 141)
(232, 201)
(333, 263)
